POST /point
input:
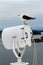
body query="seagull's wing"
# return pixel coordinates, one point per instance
(27, 17)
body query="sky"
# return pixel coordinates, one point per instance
(9, 9)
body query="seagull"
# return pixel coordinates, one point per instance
(25, 17)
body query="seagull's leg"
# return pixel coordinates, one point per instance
(25, 23)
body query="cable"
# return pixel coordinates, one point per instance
(35, 54)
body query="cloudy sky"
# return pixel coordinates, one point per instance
(10, 8)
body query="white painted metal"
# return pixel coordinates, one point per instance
(10, 32)
(12, 39)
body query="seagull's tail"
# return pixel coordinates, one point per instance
(33, 18)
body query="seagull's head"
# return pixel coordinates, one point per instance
(19, 15)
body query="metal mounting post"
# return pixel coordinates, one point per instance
(35, 54)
